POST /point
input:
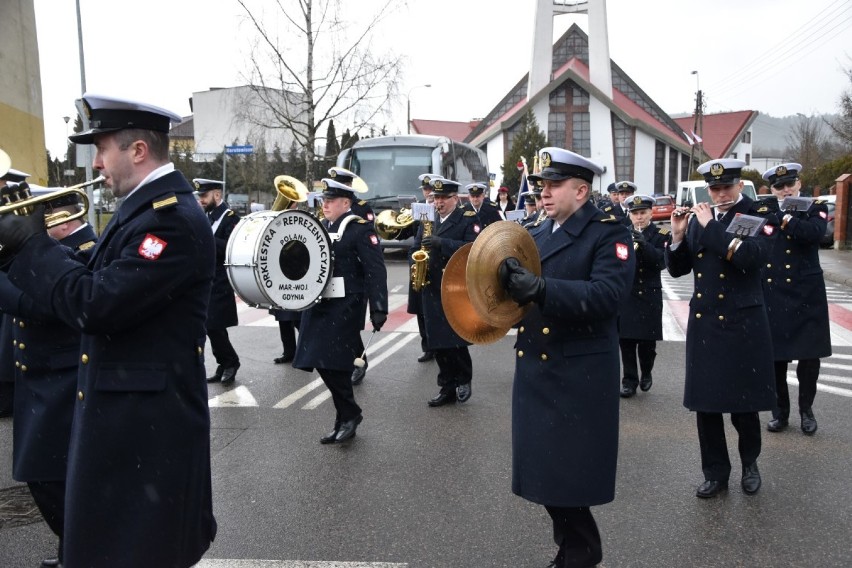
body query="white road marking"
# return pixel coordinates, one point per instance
(239, 396)
(317, 400)
(290, 399)
(222, 563)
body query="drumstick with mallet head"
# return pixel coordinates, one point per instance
(360, 361)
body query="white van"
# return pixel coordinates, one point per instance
(691, 192)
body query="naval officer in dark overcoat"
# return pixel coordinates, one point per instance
(452, 228)
(222, 311)
(565, 394)
(728, 342)
(45, 357)
(138, 490)
(330, 331)
(640, 319)
(485, 211)
(414, 304)
(796, 300)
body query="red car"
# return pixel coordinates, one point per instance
(664, 205)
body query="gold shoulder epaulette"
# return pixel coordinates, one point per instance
(169, 201)
(86, 246)
(821, 201)
(361, 221)
(763, 209)
(470, 214)
(607, 208)
(362, 202)
(610, 219)
(230, 212)
(664, 231)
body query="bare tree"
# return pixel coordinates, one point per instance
(807, 143)
(314, 70)
(842, 126)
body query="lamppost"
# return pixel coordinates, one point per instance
(408, 101)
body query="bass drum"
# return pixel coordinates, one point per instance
(279, 259)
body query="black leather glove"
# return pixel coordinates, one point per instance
(431, 242)
(639, 237)
(378, 319)
(522, 285)
(16, 230)
(771, 204)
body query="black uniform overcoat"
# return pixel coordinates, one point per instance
(138, 485)
(641, 314)
(794, 287)
(728, 344)
(330, 331)
(46, 353)
(460, 227)
(487, 214)
(565, 393)
(222, 311)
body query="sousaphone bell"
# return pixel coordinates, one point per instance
(477, 306)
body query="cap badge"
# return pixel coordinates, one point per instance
(781, 171)
(545, 159)
(625, 185)
(324, 184)
(332, 173)
(637, 200)
(197, 185)
(426, 180)
(717, 169)
(438, 184)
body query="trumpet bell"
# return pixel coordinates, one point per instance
(461, 315)
(495, 244)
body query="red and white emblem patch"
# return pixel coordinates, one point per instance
(621, 251)
(768, 230)
(374, 239)
(823, 214)
(370, 217)
(476, 228)
(151, 247)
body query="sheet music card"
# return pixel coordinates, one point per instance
(746, 225)
(420, 209)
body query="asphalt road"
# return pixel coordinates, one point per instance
(423, 487)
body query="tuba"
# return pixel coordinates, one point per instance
(420, 266)
(288, 190)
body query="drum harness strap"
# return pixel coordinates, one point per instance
(343, 224)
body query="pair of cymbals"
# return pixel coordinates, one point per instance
(477, 306)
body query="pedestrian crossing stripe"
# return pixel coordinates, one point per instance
(230, 563)
(239, 396)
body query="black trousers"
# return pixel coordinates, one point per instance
(340, 385)
(421, 326)
(49, 497)
(646, 349)
(287, 330)
(807, 371)
(715, 462)
(576, 534)
(454, 367)
(223, 351)
(7, 397)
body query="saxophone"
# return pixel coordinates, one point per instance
(420, 266)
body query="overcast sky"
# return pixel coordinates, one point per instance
(780, 57)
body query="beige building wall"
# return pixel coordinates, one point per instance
(21, 114)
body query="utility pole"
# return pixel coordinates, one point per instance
(697, 126)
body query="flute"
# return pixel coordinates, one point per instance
(682, 212)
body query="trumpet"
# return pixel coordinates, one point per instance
(19, 200)
(688, 210)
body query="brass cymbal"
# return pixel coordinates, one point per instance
(460, 313)
(495, 244)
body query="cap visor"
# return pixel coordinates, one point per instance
(88, 137)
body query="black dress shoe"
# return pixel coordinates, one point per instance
(777, 424)
(283, 359)
(751, 479)
(330, 437)
(230, 374)
(217, 376)
(358, 375)
(809, 423)
(427, 356)
(627, 392)
(442, 398)
(711, 488)
(463, 392)
(51, 562)
(347, 429)
(646, 382)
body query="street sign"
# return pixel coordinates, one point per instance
(239, 149)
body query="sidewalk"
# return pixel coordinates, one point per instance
(837, 265)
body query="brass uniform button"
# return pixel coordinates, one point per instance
(544, 356)
(769, 265)
(21, 324)
(787, 251)
(545, 330)
(788, 281)
(640, 292)
(788, 267)
(698, 316)
(721, 318)
(14, 343)
(21, 346)
(520, 353)
(23, 368)
(698, 275)
(721, 296)
(769, 280)
(698, 295)
(521, 329)
(200, 350)
(18, 364)
(722, 276)
(700, 255)
(80, 395)
(84, 358)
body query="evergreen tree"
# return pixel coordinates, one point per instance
(346, 140)
(332, 148)
(527, 142)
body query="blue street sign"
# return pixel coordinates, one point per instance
(239, 149)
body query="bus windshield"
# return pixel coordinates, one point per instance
(391, 170)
